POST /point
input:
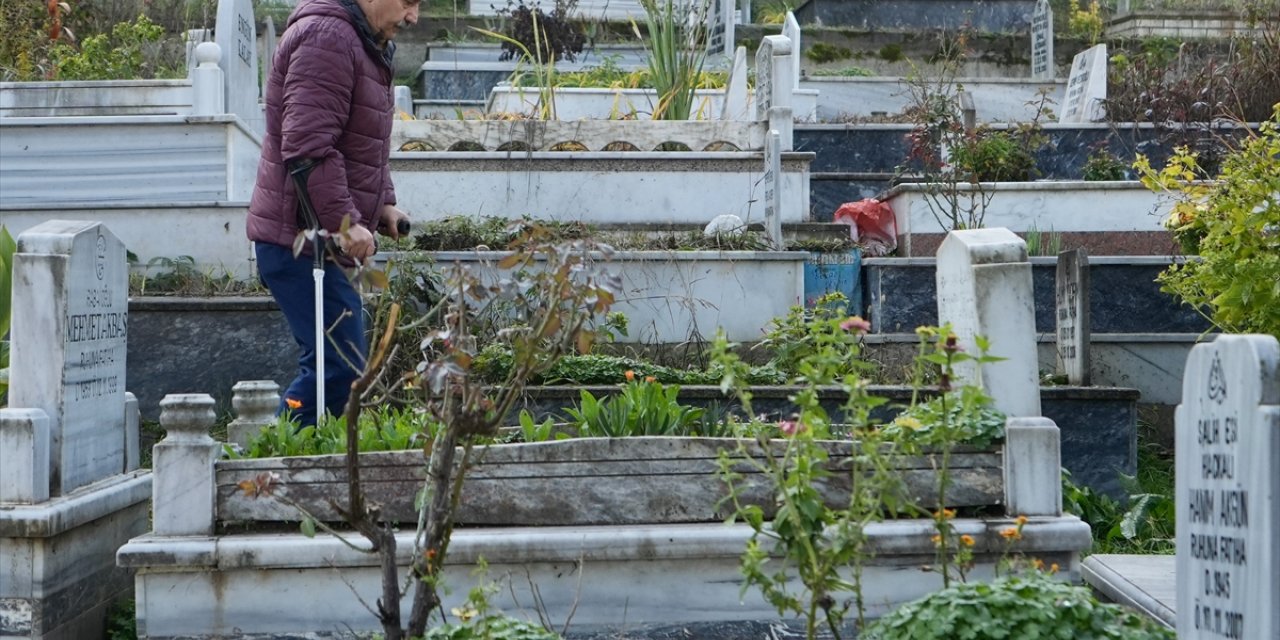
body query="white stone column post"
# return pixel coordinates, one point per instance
(132, 433)
(24, 456)
(207, 97)
(1032, 467)
(781, 116)
(255, 403)
(183, 485)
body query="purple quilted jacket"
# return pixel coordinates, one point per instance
(328, 99)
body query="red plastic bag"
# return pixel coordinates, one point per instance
(871, 224)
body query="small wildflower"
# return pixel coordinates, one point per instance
(945, 514)
(1053, 568)
(1038, 564)
(937, 539)
(630, 375)
(464, 613)
(790, 427)
(967, 540)
(952, 344)
(650, 379)
(293, 403)
(856, 324)
(1011, 534)
(1021, 521)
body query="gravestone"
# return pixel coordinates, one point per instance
(984, 289)
(71, 493)
(1071, 296)
(791, 29)
(269, 46)
(1228, 482)
(1042, 66)
(764, 78)
(69, 334)
(736, 104)
(720, 27)
(773, 188)
(236, 33)
(1086, 86)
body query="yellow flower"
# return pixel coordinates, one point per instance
(1053, 568)
(945, 514)
(908, 422)
(464, 613)
(937, 539)
(292, 403)
(1021, 521)
(1038, 564)
(967, 540)
(1011, 534)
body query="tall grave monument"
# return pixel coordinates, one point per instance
(1228, 482)
(1086, 86)
(1042, 66)
(984, 289)
(71, 492)
(237, 33)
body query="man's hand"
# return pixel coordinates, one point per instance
(357, 242)
(389, 218)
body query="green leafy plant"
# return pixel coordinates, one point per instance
(808, 538)
(32, 30)
(642, 408)
(955, 161)
(824, 52)
(182, 276)
(1102, 165)
(121, 55)
(1232, 224)
(1043, 243)
(1085, 23)
(1030, 606)
(804, 334)
(479, 621)
(384, 429)
(957, 416)
(531, 431)
(995, 155)
(676, 46)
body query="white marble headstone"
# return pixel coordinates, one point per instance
(773, 188)
(720, 21)
(984, 289)
(1071, 309)
(791, 29)
(69, 336)
(269, 46)
(236, 33)
(1042, 66)
(1228, 482)
(1086, 86)
(764, 78)
(736, 102)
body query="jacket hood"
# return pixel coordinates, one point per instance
(351, 12)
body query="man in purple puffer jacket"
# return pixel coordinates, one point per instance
(329, 113)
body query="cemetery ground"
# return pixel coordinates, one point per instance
(585, 415)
